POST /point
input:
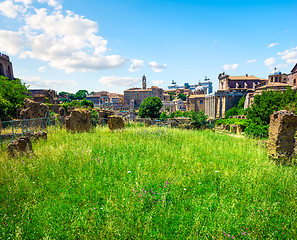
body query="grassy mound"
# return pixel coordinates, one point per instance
(147, 183)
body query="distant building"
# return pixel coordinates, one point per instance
(106, 100)
(293, 77)
(197, 103)
(231, 90)
(277, 81)
(6, 66)
(44, 95)
(207, 86)
(134, 96)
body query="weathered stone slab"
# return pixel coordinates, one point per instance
(19, 146)
(115, 122)
(79, 121)
(281, 142)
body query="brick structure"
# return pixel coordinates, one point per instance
(281, 142)
(6, 66)
(79, 121)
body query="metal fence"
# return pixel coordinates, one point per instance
(10, 130)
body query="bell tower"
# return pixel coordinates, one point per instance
(143, 82)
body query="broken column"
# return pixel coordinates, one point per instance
(281, 142)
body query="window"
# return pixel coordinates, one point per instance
(201, 101)
(294, 81)
(276, 79)
(271, 80)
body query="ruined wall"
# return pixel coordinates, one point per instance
(34, 110)
(79, 121)
(281, 142)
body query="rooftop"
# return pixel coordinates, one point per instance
(245, 78)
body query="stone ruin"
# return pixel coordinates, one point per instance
(19, 146)
(34, 110)
(115, 122)
(282, 130)
(79, 121)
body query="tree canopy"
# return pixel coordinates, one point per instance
(150, 107)
(12, 95)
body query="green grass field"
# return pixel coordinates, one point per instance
(146, 183)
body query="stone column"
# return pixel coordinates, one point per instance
(281, 142)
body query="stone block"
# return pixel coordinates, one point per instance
(115, 122)
(79, 121)
(281, 142)
(19, 146)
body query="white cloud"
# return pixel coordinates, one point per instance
(230, 67)
(64, 40)
(11, 10)
(25, 2)
(136, 65)
(37, 82)
(272, 45)
(252, 61)
(269, 61)
(157, 67)
(157, 82)
(289, 55)
(42, 69)
(52, 3)
(11, 42)
(119, 81)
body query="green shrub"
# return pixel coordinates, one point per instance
(257, 130)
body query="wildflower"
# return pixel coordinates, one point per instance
(129, 172)
(217, 171)
(185, 189)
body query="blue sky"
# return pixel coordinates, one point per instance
(109, 44)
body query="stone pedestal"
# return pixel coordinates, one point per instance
(281, 142)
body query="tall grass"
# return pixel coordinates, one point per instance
(146, 183)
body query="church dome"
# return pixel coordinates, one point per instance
(275, 72)
(199, 88)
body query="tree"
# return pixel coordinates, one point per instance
(150, 107)
(182, 96)
(12, 95)
(81, 94)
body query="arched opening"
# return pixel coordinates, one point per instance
(1, 70)
(294, 81)
(9, 72)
